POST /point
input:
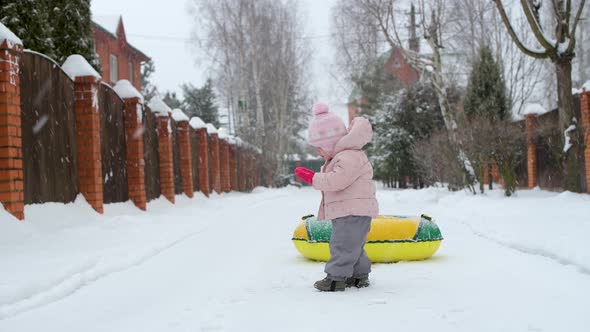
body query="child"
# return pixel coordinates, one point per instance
(348, 195)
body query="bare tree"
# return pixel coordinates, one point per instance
(565, 18)
(260, 60)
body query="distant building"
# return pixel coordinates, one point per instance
(395, 62)
(119, 60)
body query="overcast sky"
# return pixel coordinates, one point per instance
(162, 29)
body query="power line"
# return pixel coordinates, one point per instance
(185, 39)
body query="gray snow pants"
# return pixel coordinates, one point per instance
(348, 257)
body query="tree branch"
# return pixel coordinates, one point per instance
(572, 44)
(536, 29)
(512, 33)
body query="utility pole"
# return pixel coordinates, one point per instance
(414, 42)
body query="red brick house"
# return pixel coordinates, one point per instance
(395, 62)
(119, 60)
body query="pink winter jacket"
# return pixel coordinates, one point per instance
(346, 180)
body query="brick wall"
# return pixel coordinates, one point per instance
(531, 151)
(585, 112)
(166, 161)
(85, 131)
(215, 163)
(88, 140)
(186, 167)
(225, 165)
(135, 152)
(11, 163)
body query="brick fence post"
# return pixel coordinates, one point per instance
(215, 158)
(270, 178)
(531, 151)
(233, 165)
(86, 112)
(166, 161)
(184, 148)
(225, 167)
(585, 110)
(242, 171)
(162, 112)
(486, 174)
(202, 147)
(11, 161)
(133, 108)
(203, 160)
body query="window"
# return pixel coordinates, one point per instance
(130, 67)
(114, 68)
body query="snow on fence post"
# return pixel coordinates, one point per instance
(86, 112)
(162, 112)
(184, 146)
(133, 108)
(215, 162)
(203, 154)
(233, 165)
(585, 110)
(11, 161)
(224, 160)
(531, 151)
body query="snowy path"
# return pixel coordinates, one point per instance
(227, 264)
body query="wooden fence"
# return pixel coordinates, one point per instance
(542, 166)
(50, 140)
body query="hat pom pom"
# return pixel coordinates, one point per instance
(320, 108)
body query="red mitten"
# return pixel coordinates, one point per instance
(305, 174)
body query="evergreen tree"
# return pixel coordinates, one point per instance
(171, 100)
(486, 91)
(29, 20)
(72, 31)
(148, 89)
(401, 120)
(201, 102)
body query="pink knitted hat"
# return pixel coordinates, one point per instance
(326, 129)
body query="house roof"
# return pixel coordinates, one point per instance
(110, 24)
(380, 61)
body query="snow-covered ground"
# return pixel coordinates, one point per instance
(227, 264)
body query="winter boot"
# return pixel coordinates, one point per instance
(329, 285)
(357, 282)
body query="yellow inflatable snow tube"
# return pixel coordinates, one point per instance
(391, 239)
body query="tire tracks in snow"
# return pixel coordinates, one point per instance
(84, 277)
(530, 251)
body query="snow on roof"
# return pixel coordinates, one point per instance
(179, 116)
(159, 107)
(211, 129)
(223, 133)
(534, 108)
(586, 86)
(197, 123)
(108, 22)
(232, 140)
(76, 66)
(125, 90)
(9, 36)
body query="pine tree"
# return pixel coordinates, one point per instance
(401, 120)
(171, 100)
(72, 32)
(201, 102)
(148, 89)
(29, 20)
(486, 91)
